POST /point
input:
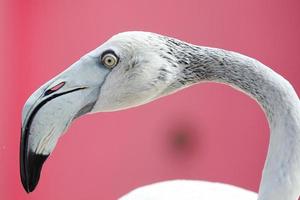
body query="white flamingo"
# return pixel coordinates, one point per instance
(134, 68)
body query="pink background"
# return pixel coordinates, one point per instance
(209, 132)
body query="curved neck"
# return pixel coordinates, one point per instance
(281, 174)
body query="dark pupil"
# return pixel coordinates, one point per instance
(109, 60)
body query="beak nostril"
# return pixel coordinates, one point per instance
(54, 88)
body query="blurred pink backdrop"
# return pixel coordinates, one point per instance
(209, 132)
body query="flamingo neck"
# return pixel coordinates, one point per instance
(281, 173)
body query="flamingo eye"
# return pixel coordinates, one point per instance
(109, 59)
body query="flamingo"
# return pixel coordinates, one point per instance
(134, 68)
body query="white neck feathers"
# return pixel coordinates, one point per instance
(281, 174)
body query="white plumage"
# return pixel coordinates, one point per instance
(146, 66)
(189, 190)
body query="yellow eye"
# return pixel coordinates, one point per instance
(110, 60)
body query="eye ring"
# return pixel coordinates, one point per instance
(109, 59)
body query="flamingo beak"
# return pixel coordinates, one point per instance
(50, 110)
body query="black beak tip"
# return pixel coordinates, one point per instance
(29, 188)
(31, 170)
